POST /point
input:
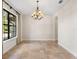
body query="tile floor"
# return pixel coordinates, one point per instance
(38, 50)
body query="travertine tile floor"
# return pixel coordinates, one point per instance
(38, 50)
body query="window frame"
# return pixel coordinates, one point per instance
(8, 24)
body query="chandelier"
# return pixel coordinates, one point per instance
(37, 14)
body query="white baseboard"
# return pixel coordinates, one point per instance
(39, 40)
(68, 50)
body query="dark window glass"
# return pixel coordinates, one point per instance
(5, 25)
(9, 25)
(12, 25)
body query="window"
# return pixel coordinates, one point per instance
(9, 25)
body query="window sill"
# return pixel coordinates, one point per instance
(9, 39)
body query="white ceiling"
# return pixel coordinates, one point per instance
(49, 7)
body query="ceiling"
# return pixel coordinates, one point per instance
(48, 7)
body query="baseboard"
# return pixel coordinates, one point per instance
(68, 50)
(27, 41)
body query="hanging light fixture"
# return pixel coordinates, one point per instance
(38, 15)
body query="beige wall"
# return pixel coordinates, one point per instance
(38, 29)
(19, 38)
(67, 30)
